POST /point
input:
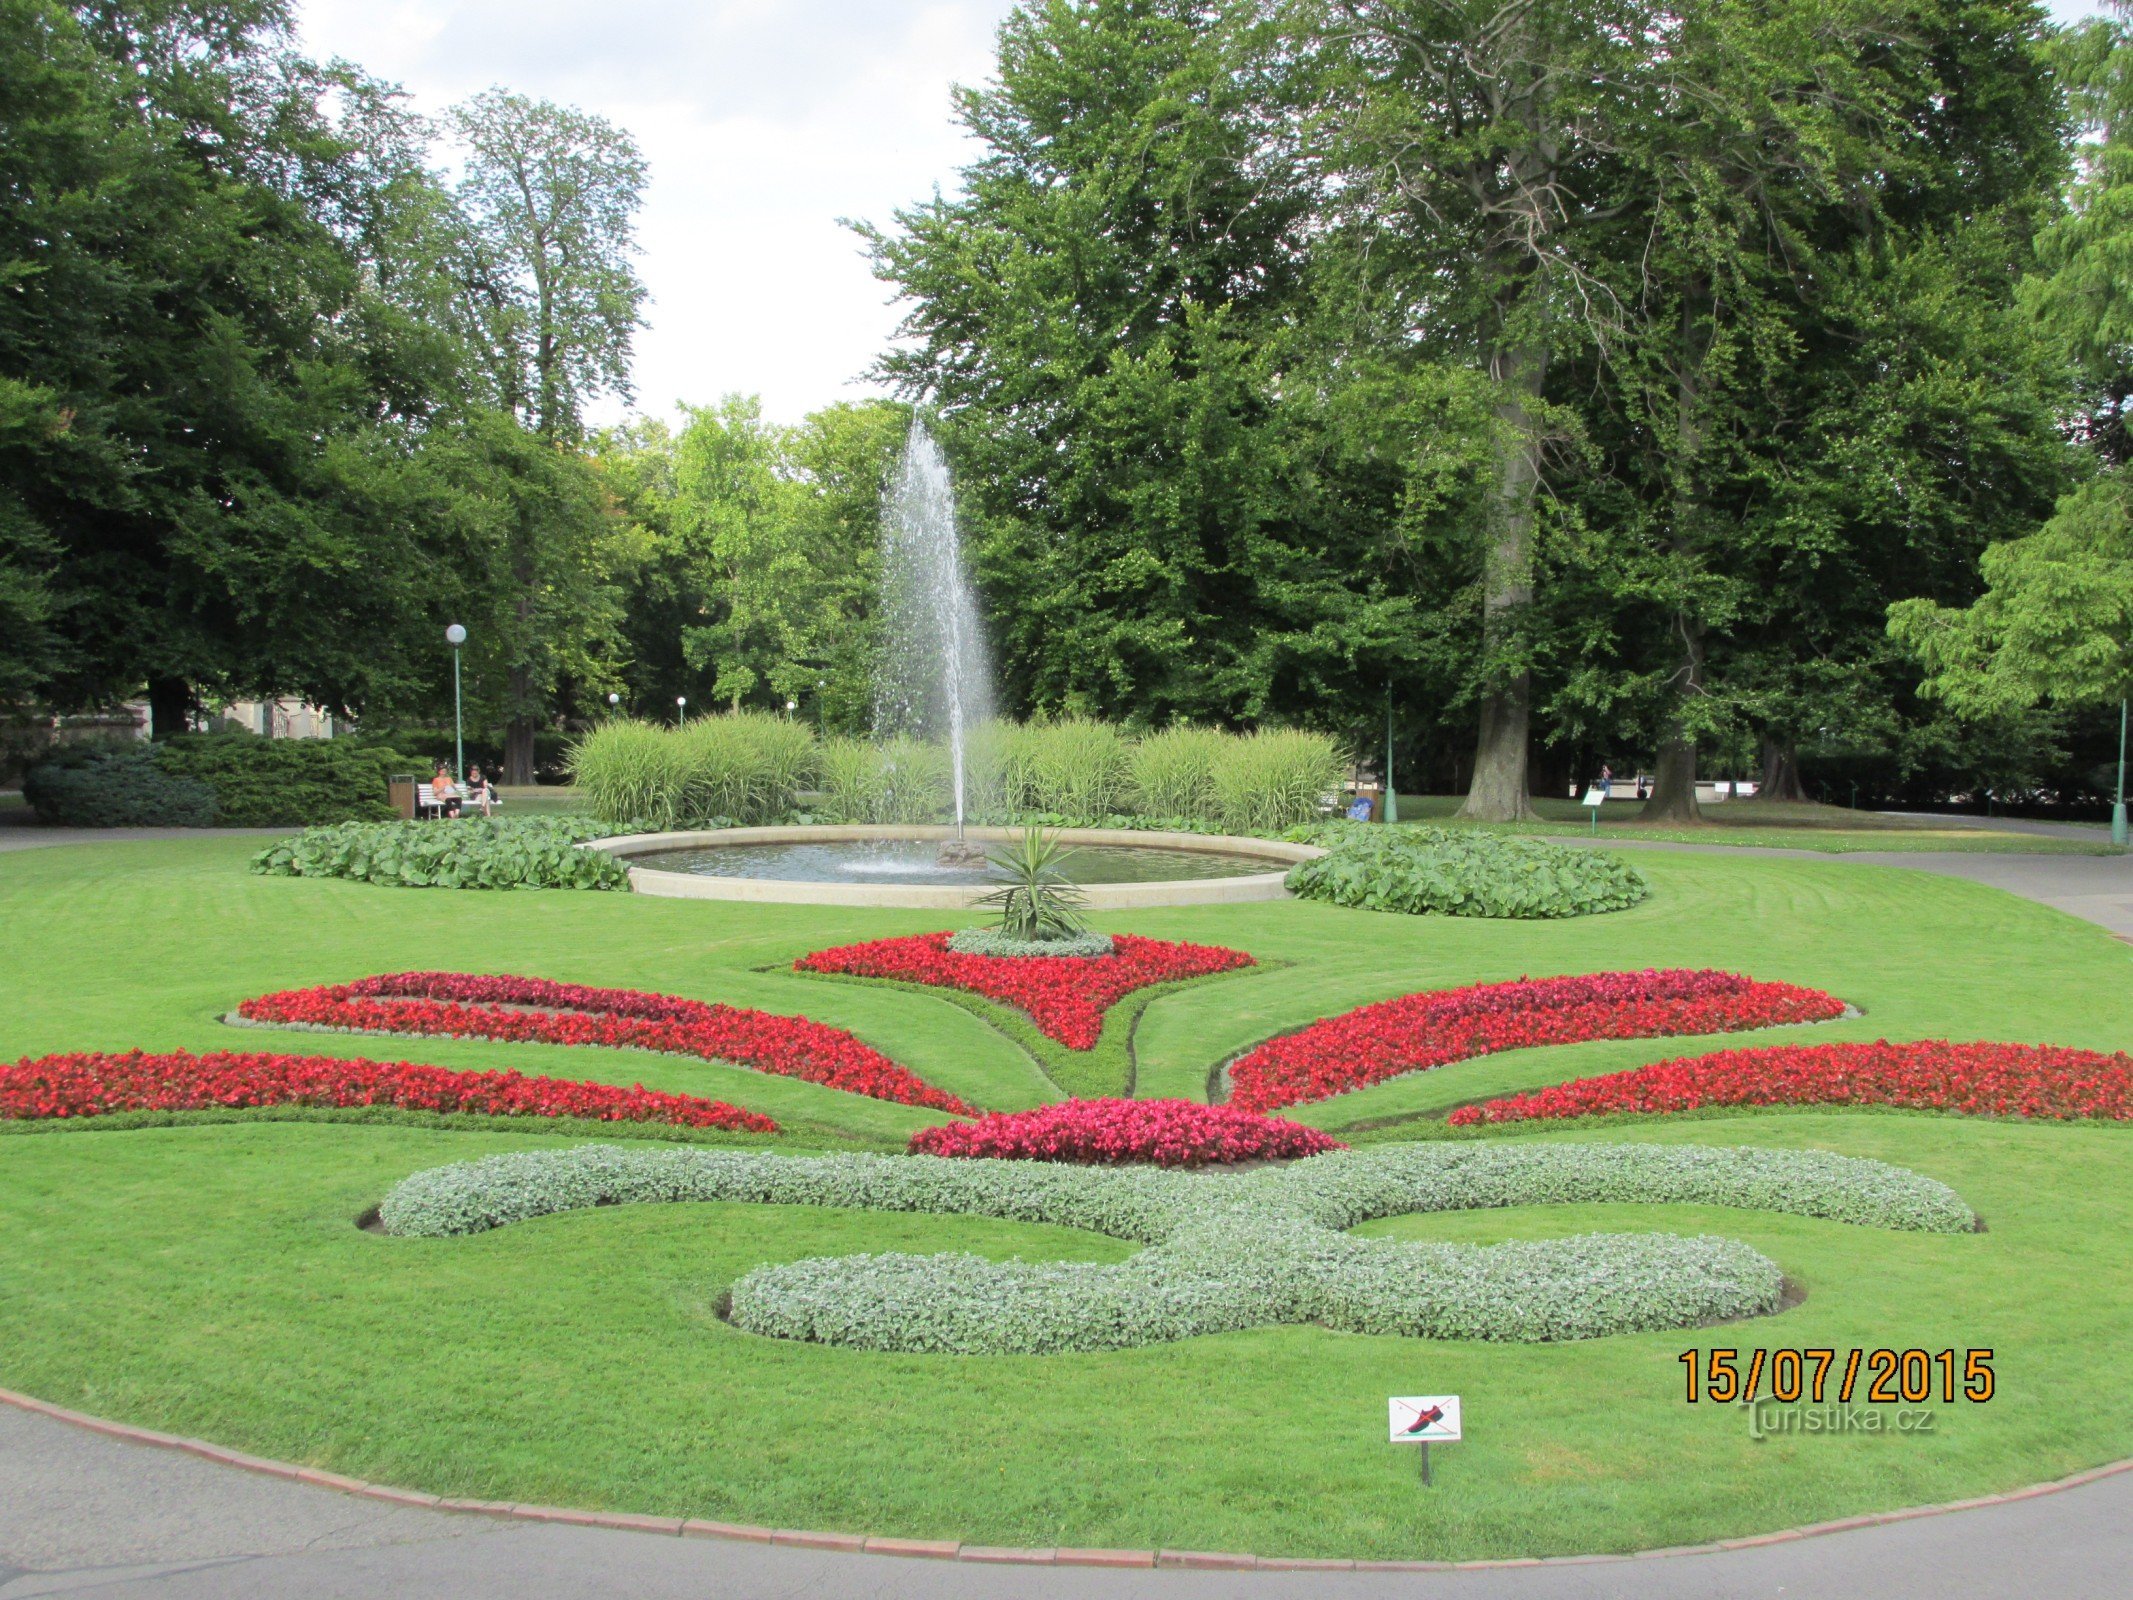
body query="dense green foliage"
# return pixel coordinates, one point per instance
(746, 767)
(231, 780)
(116, 786)
(1461, 873)
(467, 853)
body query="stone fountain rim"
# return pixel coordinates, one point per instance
(1100, 896)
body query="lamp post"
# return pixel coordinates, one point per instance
(681, 709)
(614, 704)
(1392, 798)
(455, 636)
(790, 707)
(2118, 809)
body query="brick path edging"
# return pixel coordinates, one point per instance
(950, 1550)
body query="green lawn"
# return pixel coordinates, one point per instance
(209, 1279)
(1770, 825)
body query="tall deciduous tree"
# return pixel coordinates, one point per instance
(550, 303)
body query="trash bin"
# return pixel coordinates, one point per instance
(400, 790)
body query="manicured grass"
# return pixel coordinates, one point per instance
(209, 1280)
(1764, 824)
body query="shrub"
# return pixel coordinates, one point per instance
(470, 853)
(1460, 873)
(1165, 1133)
(121, 786)
(1419, 1031)
(272, 783)
(1225, 1252)
(97, 1084)
(1174, 773)
(1077, 767)
(1986, 1080)
(1274, 779)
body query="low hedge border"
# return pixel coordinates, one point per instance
(1225, 1253)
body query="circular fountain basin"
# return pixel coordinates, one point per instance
(897, 866)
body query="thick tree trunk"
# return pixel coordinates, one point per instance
(1674, 785)
(1781, 771)
(1498, 792)
(519, 732)
(170, 707)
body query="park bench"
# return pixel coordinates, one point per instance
(426, 806)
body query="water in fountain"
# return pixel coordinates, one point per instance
(931, 680)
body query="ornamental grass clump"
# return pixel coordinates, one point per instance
(747, 765)
(627, 770)
(1174, 773)
(1460, 873)
(1076, 767)
(1274, 779)
(1224, 1252)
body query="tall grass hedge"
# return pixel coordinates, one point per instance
(754, 768)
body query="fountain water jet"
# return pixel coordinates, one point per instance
(931, 680)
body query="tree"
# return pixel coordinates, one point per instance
(549, 303)
(201, 418)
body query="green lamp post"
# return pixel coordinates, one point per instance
(2118, 808)
(1392, 795)
(455, 636)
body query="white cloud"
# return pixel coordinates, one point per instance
(763, 122)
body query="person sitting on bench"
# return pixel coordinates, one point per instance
(444, 792)
(479, 791)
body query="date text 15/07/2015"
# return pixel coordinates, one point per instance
(1879, 1377)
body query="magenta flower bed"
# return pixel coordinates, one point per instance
(1165, 1133)
(1066, 996)
(537, 1011)
(1418, 1031)
(1982, 1080)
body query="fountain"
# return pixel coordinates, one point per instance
(930, 680)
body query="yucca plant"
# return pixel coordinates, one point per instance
(1274, 779)
(1174, 772)
(1037, 901)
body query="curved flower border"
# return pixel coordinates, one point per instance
(1066, 996)
(1430, 1029)
(1163, 1133)
(1978, 1079)
(537, 1011)
(94, 1083)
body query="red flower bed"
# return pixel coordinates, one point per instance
(1169, 1133)
(1066, 996)
(1417, 1031)
(536, 1011)
(1983, 1080)
(91, 1085)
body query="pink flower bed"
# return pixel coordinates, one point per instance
(1066, 996)
(536, 1011)
(91, 1084)
(1166, 1133)
(1984, 1080)
(1419, 1031)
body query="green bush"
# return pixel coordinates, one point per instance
(274, 783)
(1274, 779)
(1174, 773)
(745, 765)
(1460, 873)
(470, 853)
(115, 786)
(1225, 1253)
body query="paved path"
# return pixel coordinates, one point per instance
(81, 1514)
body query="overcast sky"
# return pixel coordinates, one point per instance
(764, 122)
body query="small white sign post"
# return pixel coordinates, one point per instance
(1595, 797)
(1425, 1419)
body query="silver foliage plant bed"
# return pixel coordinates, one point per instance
(1224, 1251)
(992, 942)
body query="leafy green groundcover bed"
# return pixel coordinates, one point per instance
(1460, 874)
(209, 1279)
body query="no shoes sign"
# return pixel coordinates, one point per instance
(1425, 1419)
